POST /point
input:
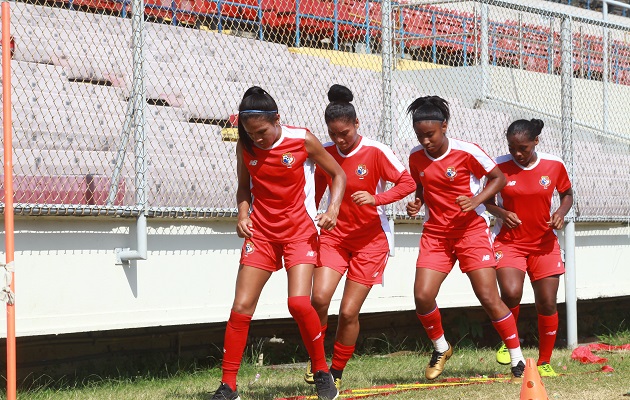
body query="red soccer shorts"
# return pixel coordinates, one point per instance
(266, 255)
(364, 265)
(474, 251)
(539, 261)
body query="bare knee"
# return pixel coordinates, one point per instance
(425, 302)
(243, 307)
(348, 317)
(546, 306)
(511, 294)
(320, 302)
(489, 299)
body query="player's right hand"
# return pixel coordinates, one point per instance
(244, 228)
(511, 220)
(413, 207)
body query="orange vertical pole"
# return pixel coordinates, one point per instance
(8, 195)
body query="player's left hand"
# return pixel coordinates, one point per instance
(556, 221)
(466, 203)
(362, 198)
(327, 220)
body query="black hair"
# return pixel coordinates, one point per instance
(256, 103)
(340, 107)
(531, 129)
(429, 108)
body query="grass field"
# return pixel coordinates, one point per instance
(579, 381)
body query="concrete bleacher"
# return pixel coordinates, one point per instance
(66, 125)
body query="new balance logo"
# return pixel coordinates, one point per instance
(511, 183)
(310, 253)
(429, 327)
(511, 337)
(550, 333)
(375, 275)
(318, 336)
(486, 257)
(253, 162)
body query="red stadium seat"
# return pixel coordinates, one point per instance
(74, 189)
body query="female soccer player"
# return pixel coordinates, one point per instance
(447, 173)
(525, 237)
(275, 179)
(359, 244)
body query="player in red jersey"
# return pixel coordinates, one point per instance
(448, 173)
(360, 243)
(275, 180)
(525, 237)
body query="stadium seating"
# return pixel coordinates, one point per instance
(68, 128)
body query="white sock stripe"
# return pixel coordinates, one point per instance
(504, 318)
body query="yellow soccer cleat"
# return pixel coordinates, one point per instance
(338, 384)
(437, 362)
(503, 355)
(546, 370)
(308, 375)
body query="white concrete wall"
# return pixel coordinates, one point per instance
(67, 280)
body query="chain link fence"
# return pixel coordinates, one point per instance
(119, 116)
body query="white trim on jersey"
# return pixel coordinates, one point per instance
(539, 156)
(475, 188)
(498, 222)
(484, 159)
(309, 190)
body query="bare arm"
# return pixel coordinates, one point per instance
(325, 161)
(243, 196)
(510, 218)
(566, 202)
(413, 207)
(496, 182)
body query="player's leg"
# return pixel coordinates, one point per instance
(544, 271)
(325, 282)
(484, 285)
(259, 259)
(300, 281)
(511, 285)
(249, 284)
(435, 261)
(354, 295)
(545, 294)
(475, 255)
(333, 261)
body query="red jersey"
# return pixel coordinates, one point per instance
(283, 188)
(368, 167)
(457, 172)
(528, 193)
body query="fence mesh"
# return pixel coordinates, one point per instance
(77, 146)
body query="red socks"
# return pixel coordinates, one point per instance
(310, 329)
(547, 332)
(341, 355)
(515, 312)
(432, 323)
(234, 346)
(506, 327)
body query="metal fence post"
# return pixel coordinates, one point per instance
(139, 121)
(485, 56)
(606, 69)
(567, 155)
(387, 71)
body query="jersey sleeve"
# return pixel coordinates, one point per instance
(480, 163)
(404, 186)
(321, 183)
(564, 183)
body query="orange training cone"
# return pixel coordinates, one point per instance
(533, 388)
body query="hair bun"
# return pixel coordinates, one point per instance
(538, 125)
(340, 94)
(254, 90)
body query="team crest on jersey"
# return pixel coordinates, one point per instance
(249, 248)
(361, 171)
(498, 255)
(545, 181)
(288, 159)
(451, 173)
